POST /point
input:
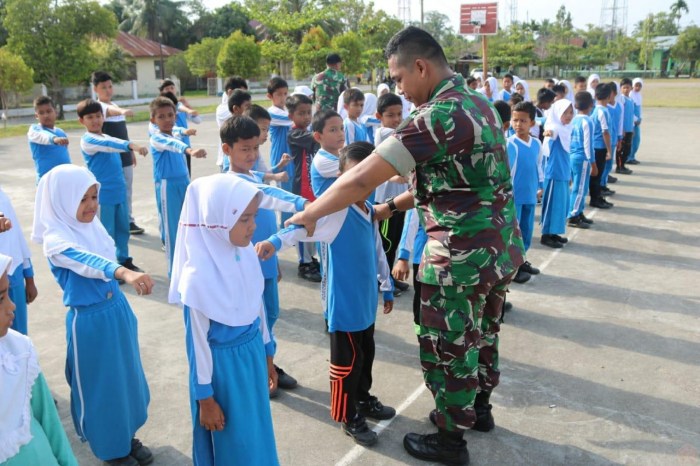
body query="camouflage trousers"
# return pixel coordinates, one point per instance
(458, 340)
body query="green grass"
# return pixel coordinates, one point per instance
(139, 116)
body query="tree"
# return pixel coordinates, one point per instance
(275, 54)
(109, 57)
(687, 48)
(377, 28)
(202, 57)
(310, 56)
(222, 22)
(3, 31)
(437, 24)
(658, 24)
(240, 55)
(677, 8)
(291, 19)
(151, 18)
(349, 46)
(52, 38)
(15, 75)
(177, 65)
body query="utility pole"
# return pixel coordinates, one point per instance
(162, 66)
(422, 23)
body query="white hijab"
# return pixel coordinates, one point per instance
(12, 242)
(591, 78)
(554, 124)
(493, 84)
(19, 369)
(369, 110)
(340, 108)
(303, 90)
(523, 83)
(383, 88)
(634, 95)
(220, 280)
(56, 226)
(569, 89)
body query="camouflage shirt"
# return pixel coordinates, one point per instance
(327, 86)
(454, 151)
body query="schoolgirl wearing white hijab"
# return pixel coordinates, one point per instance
(636, 96)
(522, 88)
(30, 428)
(490, 89)
(21, 274)
(109, 393)
(592, 83)
(229, 347)
(569, 89)
(368, 117)
(557, 173)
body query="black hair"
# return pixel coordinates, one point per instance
(412, 43)
(550, 80)
(100, 77)
(526, 107)
(516, 98)
(602, 91)
(508, 75)
(580, 79)
(321, 118)
(624, 81)
(238, 127)
(388, 100)
(333, 59)
(583, 100)
(162, 101)
(170, 96)
(43, 100)
(355, 152)
(165, 83)
(470, 80)
(235, 82)
(503, 110)
(275, 84)
(294, 100)
(613, 88)
(559, 89)
(238, 98)
(88, 106)
(256, 112)
(353, 95)
(545, 95)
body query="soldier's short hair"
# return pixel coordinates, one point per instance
(333, 59)
(412, 43)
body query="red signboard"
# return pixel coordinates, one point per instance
(479, 18)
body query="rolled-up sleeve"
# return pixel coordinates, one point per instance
(393, 151)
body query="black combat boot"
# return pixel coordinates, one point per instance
(482, 408)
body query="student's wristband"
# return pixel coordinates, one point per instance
(392, 205)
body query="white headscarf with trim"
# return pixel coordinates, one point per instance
(526, 86)
(634, 95)
(554, 124)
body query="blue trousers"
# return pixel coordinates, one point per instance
(636, 140)
(115, 219)
(170, 195)
(526, 220)
(18, 295)
(271, 300)
(608, 168)
(555, 206)
(580, 174)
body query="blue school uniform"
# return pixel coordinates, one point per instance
(628, 115)
(354, 131)
(274, 199)
(171, 181)
(413, 238)
(102, 156)
(601, 124)
(45, 153)
(615, 127)
(525, 159)
(237, 380)
(18, 295)
(555, 201)
(109, 393)
(181, 121)
(637, 138)
(371, 124)
(324, 171)
(581, 158)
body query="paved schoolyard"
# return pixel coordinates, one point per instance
(600, 357)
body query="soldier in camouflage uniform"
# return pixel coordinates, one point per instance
(453, 150)
(329, 84)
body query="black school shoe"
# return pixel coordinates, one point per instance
(577, 222)
(374, 409)
(623, 171)
(401, 286)
(285, 380)
(600, 204)
(126, 461)
(585, 219)
(129, 264)
(632, 162)
(134, 229)
(561, 239)
(140, 453)
(360, 431)
(549, 241)
(308, 272)
(442, 447)
(521, 276)
(527, 267)
(612, 179)
(607, 191)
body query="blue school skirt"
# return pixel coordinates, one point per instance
(239, 381)
(18, 295)
(109, 394)
(555, 207)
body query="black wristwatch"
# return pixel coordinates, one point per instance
(392, 205)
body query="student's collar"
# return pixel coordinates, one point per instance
(528, 142)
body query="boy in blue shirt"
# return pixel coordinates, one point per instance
(525, 160)
(411, 245)
(101, 154)
(169, 170)
(240, 139)
(327, 127)
(627, 127)
(239, 102)
(356, 260)
(582, 158)
(615, 126)
(601, 145)
(354, 102)
(47, 143)
(277, 92)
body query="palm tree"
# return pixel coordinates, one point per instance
(676, 8)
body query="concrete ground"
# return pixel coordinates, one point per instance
(600, 357)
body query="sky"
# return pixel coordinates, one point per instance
(583, 12)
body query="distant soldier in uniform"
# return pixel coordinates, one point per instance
(453, 151)
(329, 84)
